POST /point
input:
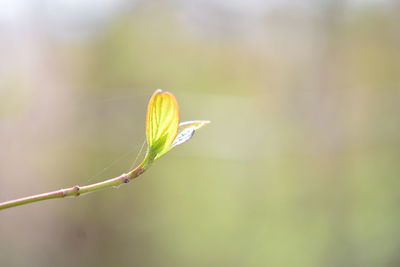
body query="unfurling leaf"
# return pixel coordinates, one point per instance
(186, 131)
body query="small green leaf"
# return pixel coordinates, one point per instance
(162, 123)
(186, 131)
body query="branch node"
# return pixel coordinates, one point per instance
(124, 178)
(76, 189)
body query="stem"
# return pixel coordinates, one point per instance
(77, 190)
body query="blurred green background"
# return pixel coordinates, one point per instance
(300, 166)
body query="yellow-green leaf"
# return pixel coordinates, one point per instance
(162, 123)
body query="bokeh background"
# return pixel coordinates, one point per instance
(300, 166)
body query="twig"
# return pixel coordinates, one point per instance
(76, 190)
